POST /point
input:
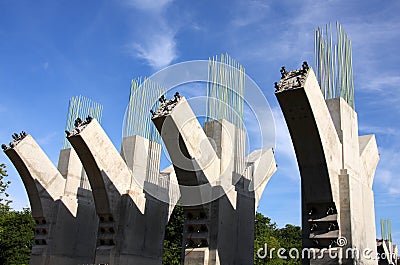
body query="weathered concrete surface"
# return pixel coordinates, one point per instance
(132, 220)
(336, 166)
(188, 145)
(219, 227)
(260, 168)
(167, 181)
(193, 155)
(66, 223)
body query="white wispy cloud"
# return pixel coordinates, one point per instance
(148, 5)
(386, 174)
(284, 147)
(250, 12)
(159, 50)
(46, 139)
(389, 131)
(45, 65)
(380, 83)
(394, 190)
(372, 43)
(157, 42)
(3, 108)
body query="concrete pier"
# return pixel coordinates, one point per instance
(212, 170)
(66, 222)
(337, 168)
(132, 220)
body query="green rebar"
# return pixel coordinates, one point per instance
(143, 97)
(225, 90)
(333, 63)
(81, 107)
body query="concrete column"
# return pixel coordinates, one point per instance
(132, 221)
(65, 229)
(220, 228)
(335, 174)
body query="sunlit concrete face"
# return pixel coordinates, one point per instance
(337, 168)
(132, 199)
(119, 218)
(66, 222)
(105, 207)
(212, 170)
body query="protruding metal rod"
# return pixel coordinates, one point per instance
(225, 90)
(144, 95)
(82, 107)
(333, 63)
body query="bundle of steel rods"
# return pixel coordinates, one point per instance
(81, 107)
(333, 63)
(386, 230)
(144, 95)
(225, 90)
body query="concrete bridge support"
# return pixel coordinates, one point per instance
(63, 209)
(337, 168)
(132, 219)
(213, 172)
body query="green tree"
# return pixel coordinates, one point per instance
(173, 238)
(16, 228)
(290, 237)
(16, 234)
(4, 201)
(265, 239)
(269, 237)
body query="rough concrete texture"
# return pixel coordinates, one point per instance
(185, 139)
(132, 219)
(337, 168)
(257, 168)
(219, 227)
(66, 223)
(168, 180)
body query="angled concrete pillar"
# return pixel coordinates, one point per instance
(337, 169)
(132, 219)
(66, 223)
(214, 175)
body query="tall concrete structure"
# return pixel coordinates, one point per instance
(133, 198)
(66, 222)
(102, 206)
(61, 200)
(337, 169)
(132, 221)
(99, 206)
(219, 229)
(224, 186)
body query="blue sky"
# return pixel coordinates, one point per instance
(52, 50)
